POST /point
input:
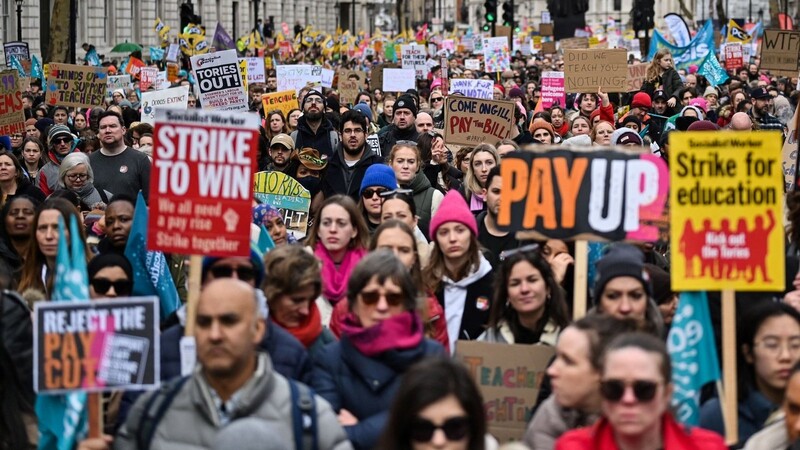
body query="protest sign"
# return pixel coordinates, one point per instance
(636, 75)
(134, 67)
(78, 86)
(574, 43)
(471, 121)
(472, 88)
(172, 52)
(790, 152)
(780, 52)
(173, 98)
(733, 56)
(553, 92)
(398, 80)
(172, 72)
(147, 77)
(352, 75)
(587, 70)
(203, 163)
(606, 194)
(496, 54)
(255, 70)
(374, 144)
(726, 210)
(283, 101)
(118, 82)
(219, 81)
(161, 80)
(348, 91)
(12, 112)
(546, 29)
(472, 64)
(298, 76)
(327, 78)
(413, 56)
(17, 49)
(285, 193)
(96, 346)
(701, 45)
(509, 388)
(548, 47)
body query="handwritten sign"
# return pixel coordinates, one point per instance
(348, 91)
(472, 88)
(472, 64)
(96, 346)
(73, 85)
(398, 80)
(376, 75)
(780, 52)
(472, 121)
(285, 193)
(574, 43)
(553, 92)
(255, 70)
(17, 49)
(586, 70)
(283, 101)
(173, 98)
(12, 112)
(790, 151)
(118, 82)
(413, 56)
(636, 75)
(298, 76)
(203, 163)
(496, 54)
(219, 81)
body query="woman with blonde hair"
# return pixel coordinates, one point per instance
(481, 161)
(661, 74)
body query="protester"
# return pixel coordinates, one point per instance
(491, 238)
(276, 124)
(347, 167)
(378, 179)
(481, 161)
(119, 169)
(661, 72)
(16, 231)
(406, 161)
(61, 143)
(402, 127)
(314, 130)
(782, 433)
(32, 159)
(76, 174)
(272, 219)
(13, 181)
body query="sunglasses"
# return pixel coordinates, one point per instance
(369, 192)
(242, 273)
(454, 429)
(371, 297)
(437, 99)
(62, 140)
(643, 390)
(121, 287)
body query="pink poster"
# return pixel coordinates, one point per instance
(553, 91)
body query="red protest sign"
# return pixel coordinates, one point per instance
(203, 164)
(734, 56)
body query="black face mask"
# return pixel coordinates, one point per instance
(310, 183)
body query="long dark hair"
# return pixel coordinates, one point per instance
(424, 384)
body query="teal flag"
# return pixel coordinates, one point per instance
(701, 45)
(63, 417)
(156, 53)
(694, 356)
(265, 242)
(712, 70)
(36, 68)
(15, 64)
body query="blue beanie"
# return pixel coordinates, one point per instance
(364, 109)
(379, 175)
(255, 257)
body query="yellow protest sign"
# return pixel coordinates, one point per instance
(725, 205)
(283, 101)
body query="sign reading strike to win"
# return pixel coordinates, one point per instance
(471, 121)
(725, 208)
(587, 70)
(602, 194)
(102, 345)
(203, 166)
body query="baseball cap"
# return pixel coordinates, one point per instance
(282, 139)
(760, 93)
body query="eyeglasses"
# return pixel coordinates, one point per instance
(314, 100)
(242, 273)
(121, 287)
(352, 131)
(774, 346)
(62, 140)
(16, 136)
(78, 176)
(371, 297)
(454, 429)
(505, 254)
(643, 390)
(369, 192)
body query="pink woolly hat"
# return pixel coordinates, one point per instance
(453, 209)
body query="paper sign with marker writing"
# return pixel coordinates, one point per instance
(587, 70)
(298, 76)
(172, 98)
(780, 52)
(255, 70)
(413, 56)
(118, 82)
(398, 80)
(73, 85)
(472, 64)
(12, 111)
(636, 75)
(472, 88)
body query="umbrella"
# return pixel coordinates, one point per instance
(126, 47)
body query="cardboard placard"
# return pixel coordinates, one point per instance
(790, 152)
(348, 91)
(172, 98)
(73, 85)
(376, 75)
(285, 193)
(553, 92)
(636, 76)
(148, 76)
(172, 72)
(472, 121)
(509, 378)
(549, 47)
(546, 29)
(587, 70)
(780, 52)
(726, 211)
(96, 346)
(496, 54)
(472, 88)
(358, 76)
(203, 163)
(606, 193)
(12, 112)
(574, 43)
(219, 81)
(298, 76)
(283, 101)
(398, 80)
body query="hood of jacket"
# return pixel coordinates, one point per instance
(420, 183)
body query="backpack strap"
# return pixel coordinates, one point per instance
(294, 138)
(154, 411)
(334, 136)
(304, 416)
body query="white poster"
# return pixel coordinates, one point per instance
(172, 98)
(298, 76)
(219, 81)
(472, 88)
(413, 56)
(255, 70)
(398, 80)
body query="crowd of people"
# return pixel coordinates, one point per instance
(402, 260)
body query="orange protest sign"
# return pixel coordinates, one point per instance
(283, 101)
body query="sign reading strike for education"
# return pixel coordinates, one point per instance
(219, 81)
(780, 51)
(725, 207)
(203, 163)
(172, 98)
(285, 193)
(509, 389)
(73, 85)
(297, 76)
(284, 101)
(12, 114)
(96, 346)
(587, 70)
(636, 75)
(606, 193)
(472, 121)
(553, 92)
(472, 88)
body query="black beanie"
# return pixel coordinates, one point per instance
(621, 260)
(104, 260)
(662, 289)
(406, 102)
(312, 93)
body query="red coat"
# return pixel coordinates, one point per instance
(600, 436)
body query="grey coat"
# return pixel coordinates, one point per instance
(551, 421)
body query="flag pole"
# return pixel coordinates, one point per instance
(730, 409)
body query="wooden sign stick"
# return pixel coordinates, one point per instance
(730, 404)
(195, 276)
(95, 401)
(581, 279)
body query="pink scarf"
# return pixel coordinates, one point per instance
(334, 281)
(400, 332)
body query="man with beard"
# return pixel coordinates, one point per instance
(280, 151)
(313, 128)
(659, 113)
(403, 127)
(489, 236)
(119, 169)
(352, 158)
(760, 111)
